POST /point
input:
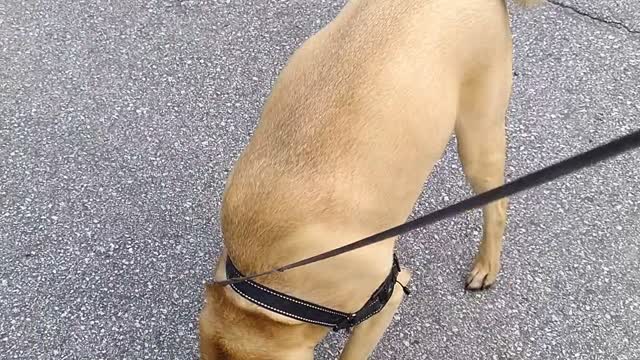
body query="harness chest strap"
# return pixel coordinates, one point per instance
(312, 313)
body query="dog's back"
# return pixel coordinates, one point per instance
(375, 90)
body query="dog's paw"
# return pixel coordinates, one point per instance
(483, 275)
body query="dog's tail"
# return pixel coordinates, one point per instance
(529, 3)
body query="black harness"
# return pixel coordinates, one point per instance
(311, 313)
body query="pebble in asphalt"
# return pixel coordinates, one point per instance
(120, 121)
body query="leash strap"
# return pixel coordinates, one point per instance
(545, 175)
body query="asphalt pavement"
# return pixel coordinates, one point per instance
(119, 122)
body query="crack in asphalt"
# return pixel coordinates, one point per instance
(614, 23)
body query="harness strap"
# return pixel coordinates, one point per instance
(302, 310)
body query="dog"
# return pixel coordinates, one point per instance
(346, 140)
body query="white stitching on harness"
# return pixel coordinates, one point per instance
(278, 311)
(294, 300)
(370, 315)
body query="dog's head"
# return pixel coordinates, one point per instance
(231, 329)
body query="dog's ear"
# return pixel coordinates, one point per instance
(213, 291)
(209, 289)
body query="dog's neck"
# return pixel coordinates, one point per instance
(243, 304)
(246, 322)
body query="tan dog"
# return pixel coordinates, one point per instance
(346, 140)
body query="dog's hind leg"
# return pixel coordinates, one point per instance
(366, 335)
(480, 132)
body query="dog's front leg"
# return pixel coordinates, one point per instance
(365, 336)
(481, 135)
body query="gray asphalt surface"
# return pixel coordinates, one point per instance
(119, 122)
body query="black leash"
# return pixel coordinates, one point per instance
(548, 174)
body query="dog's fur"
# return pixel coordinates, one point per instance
(346, 140)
